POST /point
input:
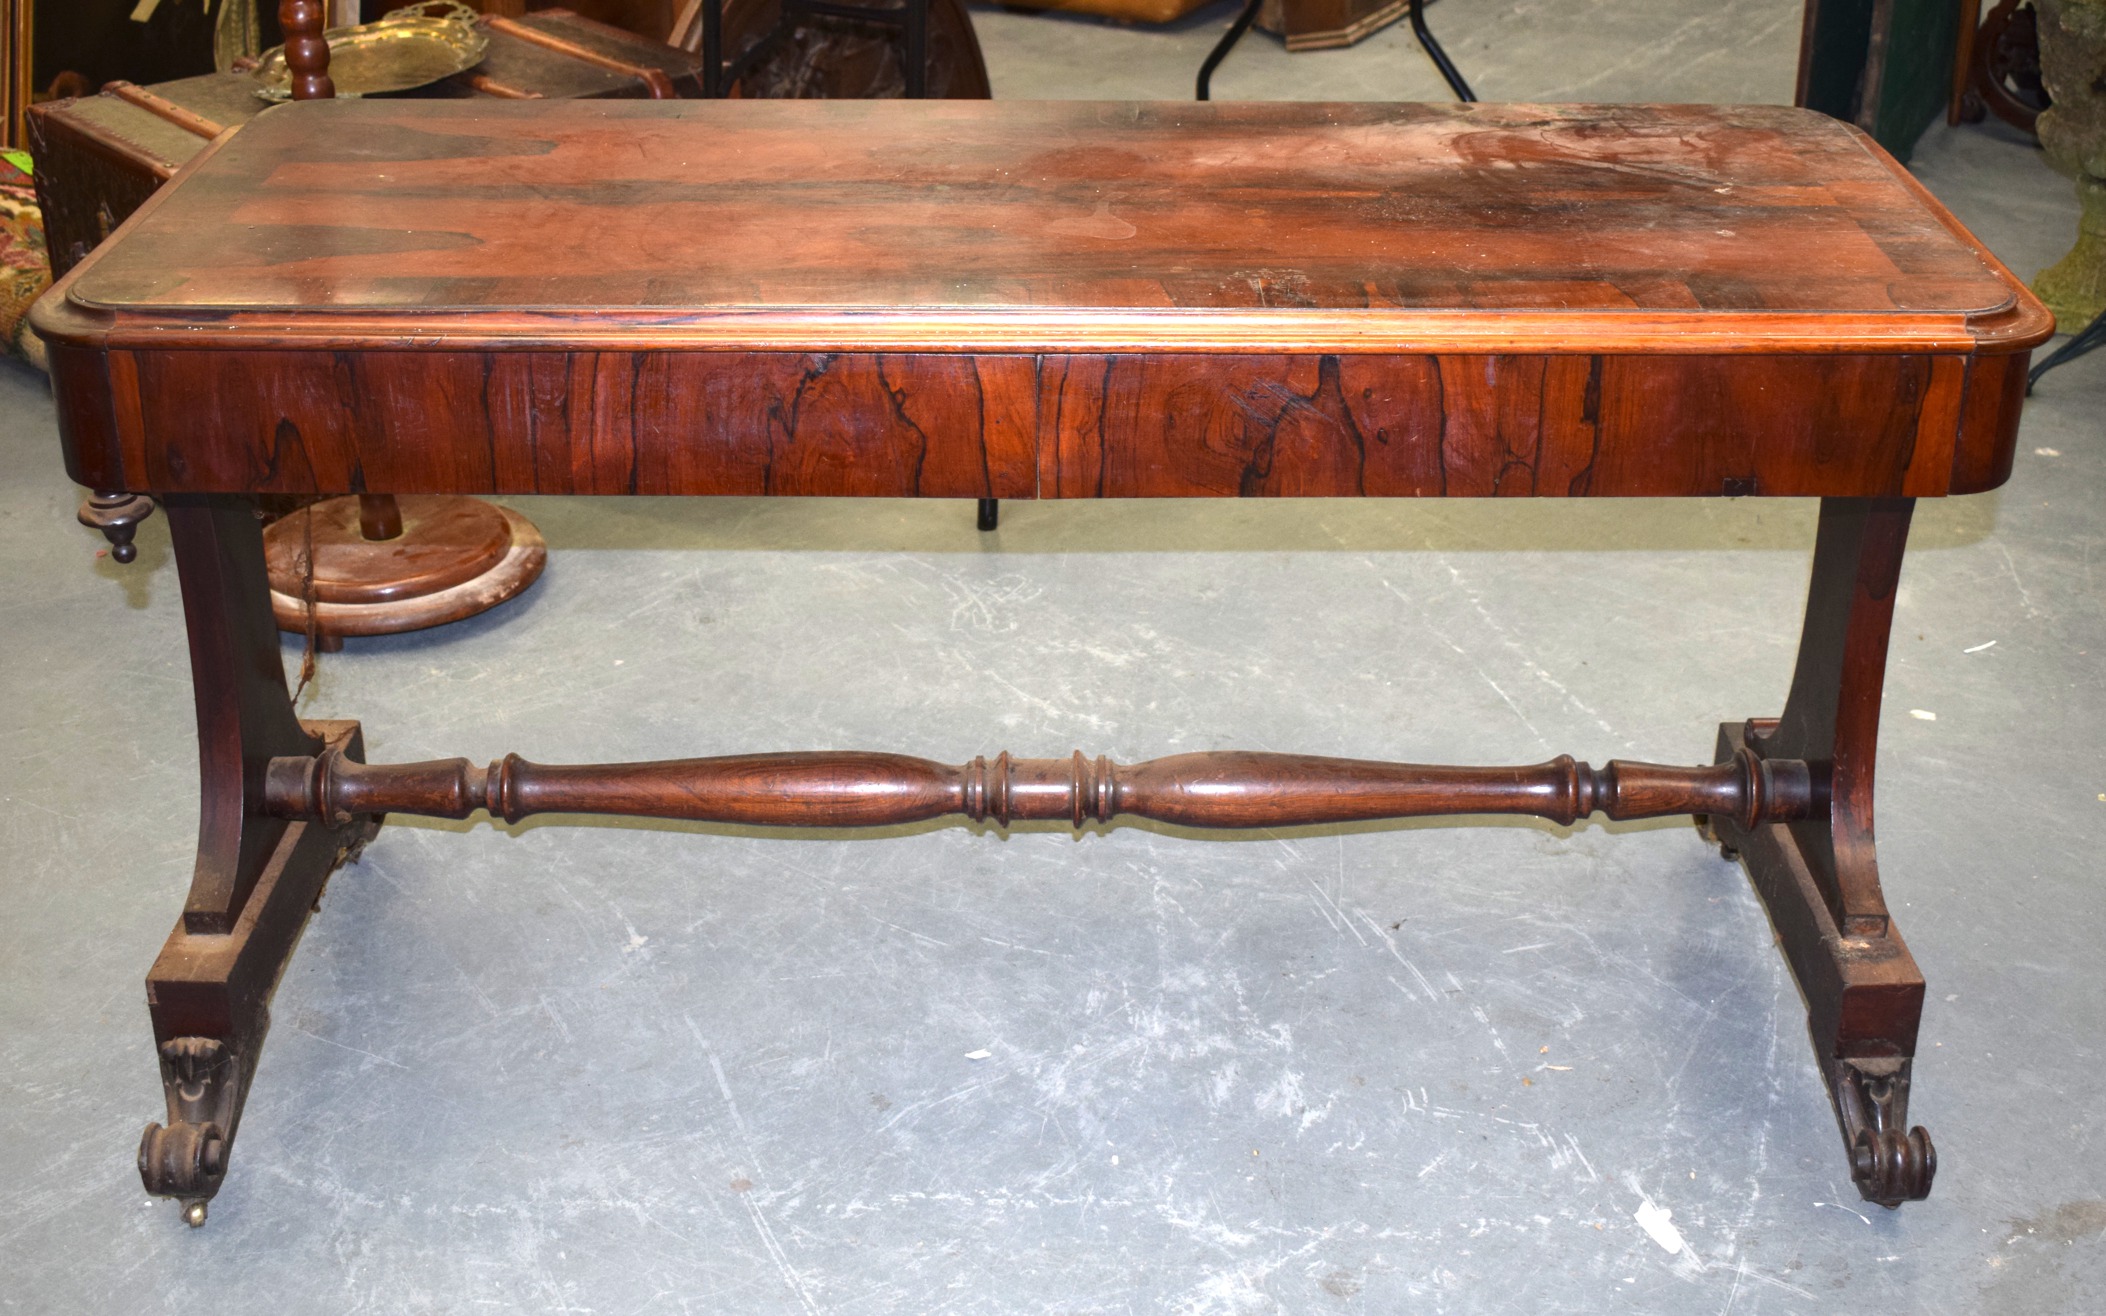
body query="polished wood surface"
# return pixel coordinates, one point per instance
(1216, 789)
(1375, 213)
(990, 300)
(1103, 425)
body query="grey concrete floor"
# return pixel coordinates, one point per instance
(596, 1067)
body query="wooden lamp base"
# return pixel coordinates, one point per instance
(383, 565)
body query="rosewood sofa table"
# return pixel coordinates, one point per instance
(1051, 300)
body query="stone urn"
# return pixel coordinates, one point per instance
(2073, 131)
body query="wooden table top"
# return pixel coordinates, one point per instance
(1057, 226)
(1041, 299)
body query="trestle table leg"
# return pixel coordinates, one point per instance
(257, 877)
(1818, 875)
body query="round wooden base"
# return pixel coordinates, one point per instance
(454, 558)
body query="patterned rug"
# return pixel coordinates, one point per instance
(24, 272)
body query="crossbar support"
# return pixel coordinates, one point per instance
(1223, 789)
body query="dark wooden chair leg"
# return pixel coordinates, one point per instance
(257, 877)
(1819, 876)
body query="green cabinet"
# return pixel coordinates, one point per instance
(1884, 65)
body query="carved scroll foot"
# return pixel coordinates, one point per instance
(209, 994)
(187, 1158)
(1872, 1101)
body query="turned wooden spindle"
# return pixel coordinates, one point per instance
(306, 52)
(307, 60)
(1229, 788)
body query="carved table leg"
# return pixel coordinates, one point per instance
(257, 877)
(1819, 875)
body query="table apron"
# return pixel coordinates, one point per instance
(1049, 426)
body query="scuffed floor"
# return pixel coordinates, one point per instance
(586, 1066)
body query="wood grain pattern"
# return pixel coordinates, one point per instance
(1010, 215)
(1096, 426)
(1086, 301)
(591, 422)
(1497, 426)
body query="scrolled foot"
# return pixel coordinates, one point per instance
(1891, 1167)
(183, 1160)
(186, 1158)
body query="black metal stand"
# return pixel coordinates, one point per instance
(1228, 41)
(1449, 73)
(2089, 338)
(911, 17)
(1417, 12)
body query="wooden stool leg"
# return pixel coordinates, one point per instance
(257, 877)
(1819, 876)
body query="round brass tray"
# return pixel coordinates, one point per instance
(408, 48)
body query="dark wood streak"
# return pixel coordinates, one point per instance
(1582, 483)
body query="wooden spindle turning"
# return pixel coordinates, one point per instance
(306, 51)
(1231, 788)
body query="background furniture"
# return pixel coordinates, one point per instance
(1300, 24)
(1996, 69)
(70, 47)
(797, 49)
(1415, 9)
(1132, 11)
(368, 566)
(1884, 65)
(2073, 132)
(99, 157)
(1327, 24)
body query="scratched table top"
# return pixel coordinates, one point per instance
(1039, 224)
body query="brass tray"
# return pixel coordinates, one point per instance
(407, 48)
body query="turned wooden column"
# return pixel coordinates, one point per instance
(376, 564)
